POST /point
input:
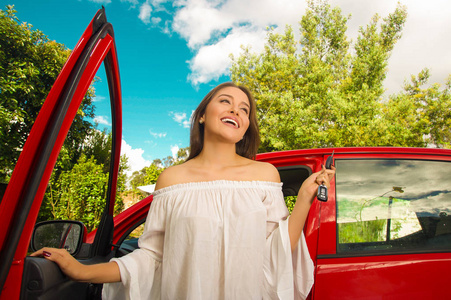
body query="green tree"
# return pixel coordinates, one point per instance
(29, 65)
(420, 115)
(180, 157)
(149, 175)
(121, 183)
(94, 162)
(98, 144)
(80, 193)
(321, 93)
(137, 179)
(152, 173)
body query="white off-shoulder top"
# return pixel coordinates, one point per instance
(215, 240)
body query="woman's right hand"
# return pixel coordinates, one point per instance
(97, 273)
(67, 263)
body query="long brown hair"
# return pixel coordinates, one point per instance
(247, 147)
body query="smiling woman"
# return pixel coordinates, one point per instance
(218, 226)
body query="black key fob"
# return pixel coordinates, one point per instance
(322, 193)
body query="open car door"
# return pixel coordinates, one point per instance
(36, 278)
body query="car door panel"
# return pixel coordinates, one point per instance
(20, 205)
(43, 279)
(383, 277)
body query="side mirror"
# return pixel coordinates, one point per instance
(59, 234)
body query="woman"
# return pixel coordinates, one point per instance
(218, 227)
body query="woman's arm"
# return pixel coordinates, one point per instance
(97, 273)
(305, 198)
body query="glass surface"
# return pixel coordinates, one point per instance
(393, 205)
(58, 235)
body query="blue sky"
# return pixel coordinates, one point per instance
(171, 53)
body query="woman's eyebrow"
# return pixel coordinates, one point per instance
(227, 95)
(245, 103)
(230, 96)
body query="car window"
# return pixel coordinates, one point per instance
(292, 178)
(393, 205)
(78, 185)
(130, 242)
(136, 233)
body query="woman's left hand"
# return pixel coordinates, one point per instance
(309, 187)
(306, 195)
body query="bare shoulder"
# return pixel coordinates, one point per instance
(171, 176)
(264, 171)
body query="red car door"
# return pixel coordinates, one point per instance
(22, 199)
(386, 231)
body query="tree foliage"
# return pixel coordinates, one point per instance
(149, 175)
(321, 92)
(78, 192)
(29, 65)
(421, 115)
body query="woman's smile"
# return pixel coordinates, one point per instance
(231, 121)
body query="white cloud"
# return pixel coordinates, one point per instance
(212, 61)
(157, 135)
(101, 1)
(217, 29)
(214, 29)
(102, 120)
(98, 98)
(181, 118)
(144, 12)
(178, 117)
(174, 150)
(198, 20)
(186, 124)
(155, 21)
(136, 161)
(132, 2)
(158, 4)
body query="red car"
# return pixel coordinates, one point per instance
(383, 233)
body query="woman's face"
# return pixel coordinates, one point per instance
(227, 115)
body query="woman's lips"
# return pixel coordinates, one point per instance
(231, 121)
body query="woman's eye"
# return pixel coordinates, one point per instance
(224, 101)
(245, 110)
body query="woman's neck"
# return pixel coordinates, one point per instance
(218, 155)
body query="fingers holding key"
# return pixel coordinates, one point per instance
(325, 176)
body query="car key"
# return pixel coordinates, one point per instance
(322, 194)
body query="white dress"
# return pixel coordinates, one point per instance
(215, 240)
